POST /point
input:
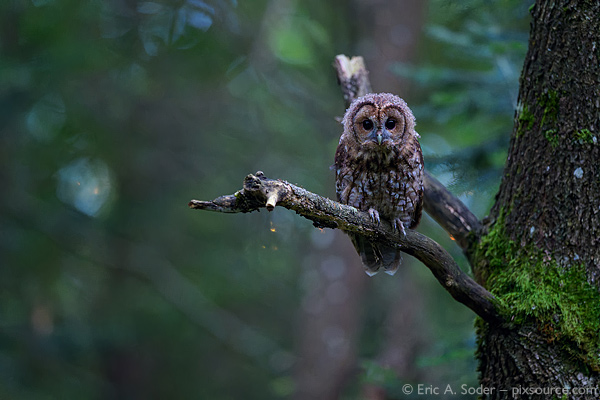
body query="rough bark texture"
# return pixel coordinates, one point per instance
(543, 243)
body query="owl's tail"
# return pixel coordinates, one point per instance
(375, 255)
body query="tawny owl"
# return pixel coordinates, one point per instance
(379, 169)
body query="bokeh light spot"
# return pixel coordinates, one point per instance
(85, 184)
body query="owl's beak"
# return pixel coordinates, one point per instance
(382, 134)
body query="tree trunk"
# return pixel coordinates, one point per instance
(540, 255)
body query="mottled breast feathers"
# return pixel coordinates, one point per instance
(379, 169)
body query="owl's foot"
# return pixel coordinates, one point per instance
(374, 214)
(399, 226)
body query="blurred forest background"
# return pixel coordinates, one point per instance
(115, 113)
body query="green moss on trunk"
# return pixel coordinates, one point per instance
(526, 120)
(585, 136)
(532, 287)
(549, 103)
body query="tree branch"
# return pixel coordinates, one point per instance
(448, 211)
(445, 208)
(260, 192)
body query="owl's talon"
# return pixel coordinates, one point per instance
(374, 214)
(399, 226)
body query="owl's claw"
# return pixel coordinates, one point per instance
(399, 226)
(374, 214)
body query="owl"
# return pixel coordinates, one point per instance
(379, 169)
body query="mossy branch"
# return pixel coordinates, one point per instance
(260, 192)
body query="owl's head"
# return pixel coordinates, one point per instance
(379, 120)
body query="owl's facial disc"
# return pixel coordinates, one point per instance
(378, 126)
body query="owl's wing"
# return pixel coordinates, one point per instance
(375, 255)
(416, 163)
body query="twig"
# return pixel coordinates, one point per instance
(259, 192)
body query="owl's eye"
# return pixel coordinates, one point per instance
(390, 124)
(367, 124)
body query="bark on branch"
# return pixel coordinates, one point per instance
(260, 192)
